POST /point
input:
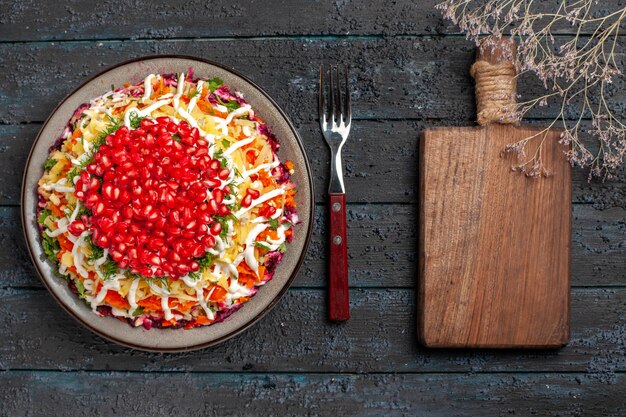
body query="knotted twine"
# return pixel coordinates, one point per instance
(495, 80)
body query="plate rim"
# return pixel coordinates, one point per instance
(276, 298)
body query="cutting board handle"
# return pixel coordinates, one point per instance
(495, 76)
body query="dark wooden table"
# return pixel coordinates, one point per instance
(409, 71)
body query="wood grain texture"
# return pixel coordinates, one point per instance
(383, 248)
(293, 362)
(494, 247)
(296, 337)
(464, 395)
(366, 174)
(392, 78)
(109, 19)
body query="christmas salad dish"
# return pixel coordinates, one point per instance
(165, 204)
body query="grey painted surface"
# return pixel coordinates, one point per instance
(294, 362)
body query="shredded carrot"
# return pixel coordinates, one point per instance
(218, 294)
(261, 272)
(246, 273)
(114, 299)
(56, 210)
(272, 234)
(77, 133)
(152, 303)
(182, 306)
(160, 89)
(168, 323)
(65, 243)
(218, 113)
(203, 106)
(202, 319)
(266, 178)
(289, 165)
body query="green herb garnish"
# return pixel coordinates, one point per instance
(219, 155)
(80, 287)
(137, 311)
(193, 94)
(273, 224)
(165, 283)
(135, 120)
(100, 140)
(73, 174)
(50, 163)
(207, 261)
(229, 104)
(225, 143)
(176, 137)
(96, 252)
(50, 247)
(262, 245)
(43, 216)
(109, 268)
(214, 84)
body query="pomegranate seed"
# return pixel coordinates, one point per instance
(247, 201)
(99, 209)
(76, 227)
(212, 183)
(188, 233)
(198, 250)
(216, 228)
(218, 195)
(224, 173)
(215, 164)
(268, 211)
(94, 184)
(213, 207)
(152, 198)
(254, 193)
(208, 241)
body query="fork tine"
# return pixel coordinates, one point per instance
(339, 109)
(348, 115)
(321, 111)
(331, 97)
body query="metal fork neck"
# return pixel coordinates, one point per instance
(336, 172)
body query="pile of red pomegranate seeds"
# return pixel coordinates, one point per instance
(153, 193)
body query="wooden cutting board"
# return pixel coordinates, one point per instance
(494, 245)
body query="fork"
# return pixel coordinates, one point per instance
(335, 120)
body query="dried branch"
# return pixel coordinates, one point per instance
(577, 71)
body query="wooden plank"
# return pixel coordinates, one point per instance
(296, 337)
(224, 18)
(493, 249)
(391, 78)
(383, 248)
(368, 177)
(141, 394)
(148, 19)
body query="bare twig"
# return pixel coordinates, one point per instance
(578, 70)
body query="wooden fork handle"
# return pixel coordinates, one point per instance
(338, 296)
